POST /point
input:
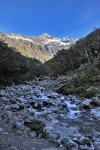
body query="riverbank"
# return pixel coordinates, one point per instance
(34, 116)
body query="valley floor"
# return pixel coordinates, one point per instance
(35, 117)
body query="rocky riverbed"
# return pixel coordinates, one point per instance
(35, 117)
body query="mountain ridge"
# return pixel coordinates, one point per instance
(43, 47)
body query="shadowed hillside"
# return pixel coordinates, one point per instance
(14, 67)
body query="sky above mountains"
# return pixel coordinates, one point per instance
(61, 18)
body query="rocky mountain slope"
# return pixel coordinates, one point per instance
(42, 48)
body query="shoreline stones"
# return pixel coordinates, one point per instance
(37, 112)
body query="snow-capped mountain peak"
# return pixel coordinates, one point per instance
(42, 48)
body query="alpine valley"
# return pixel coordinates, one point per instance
(42, 48)
(49, 92)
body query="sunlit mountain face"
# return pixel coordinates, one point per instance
(42, 48)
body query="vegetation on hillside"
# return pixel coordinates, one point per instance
(81, 60)
(15, 68)
(86, 50)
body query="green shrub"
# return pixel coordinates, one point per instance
(69, 89)
(90, 93)
(80, 90)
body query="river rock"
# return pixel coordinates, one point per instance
(84, 141)
(86, 104)
(54, 135)
(69, 145)
(1, 129)
(35, 125)
(96, 113)
(34, 111)
(97, 145)
(53, 95)
(95, 101)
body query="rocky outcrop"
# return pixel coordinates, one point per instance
(42, 48)
(53, 45)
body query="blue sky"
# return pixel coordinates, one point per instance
(61, 18)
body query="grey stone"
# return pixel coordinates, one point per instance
(84, 141)
(32, 134)
(96, 113)
(1, 129)
(86, 103)
(69, 144)
(95, 101)
(53, 95)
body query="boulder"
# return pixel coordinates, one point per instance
(69, 144)
(95, 113)
(35, 125)
(86, 104)
(53, 95)
(95, 101)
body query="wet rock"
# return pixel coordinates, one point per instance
(62, 148)
(96, 113)
(35, 125)
(13, 148)
(21, 107)
(35, 112)
(86, 147)
(13, 101)
(53, 95)
(86, 104)
(1, 129)
(47, 104)
(62, 110)
(53, 135)
(4, 100)
(69, 145)
(15, 108)
(97, 145)
(33, 134)
(8, 114)
(37, 93)
(55, 142)
(63, 105)
(36, 105)
(95, 101)
(18, 126)
(84, 141)
(20, 99)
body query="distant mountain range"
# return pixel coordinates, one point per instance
(43, 48)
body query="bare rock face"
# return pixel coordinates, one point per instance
(42, 48)
(54, 44)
